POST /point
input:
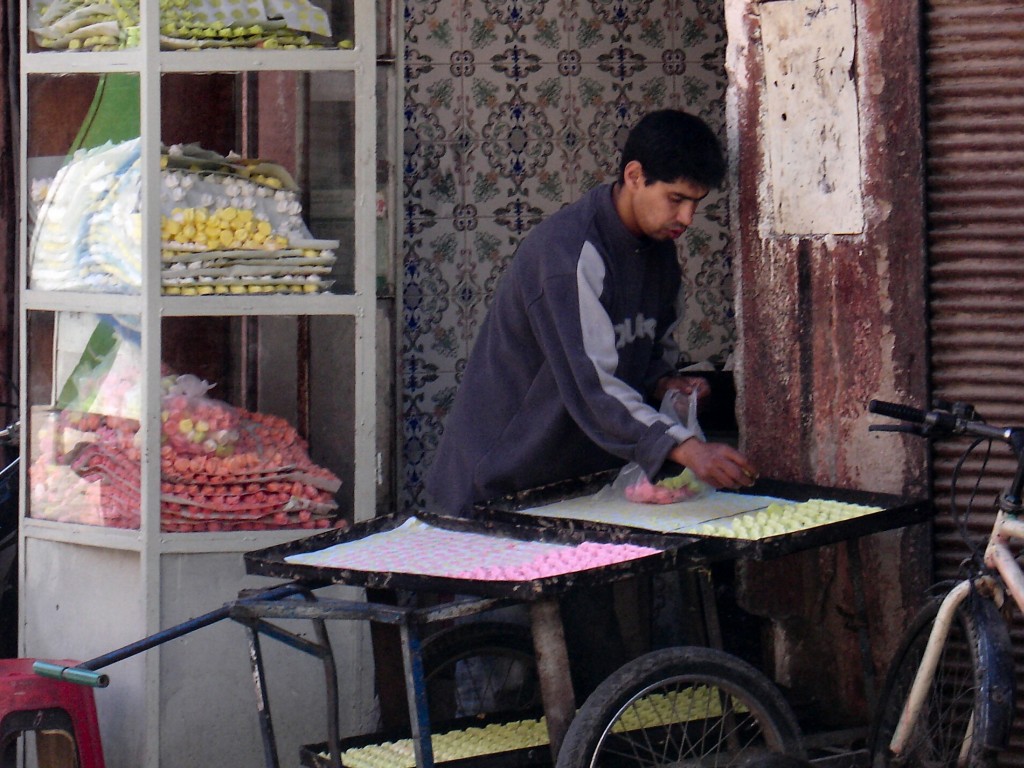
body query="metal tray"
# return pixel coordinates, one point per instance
(894, 512)
(272, 561)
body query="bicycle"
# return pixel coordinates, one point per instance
(948, 699)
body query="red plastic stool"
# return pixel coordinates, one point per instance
(63, 713)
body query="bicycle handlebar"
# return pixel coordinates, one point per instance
(897, 411)
(948, 419)
(954, 419)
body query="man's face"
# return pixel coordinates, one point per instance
(662, 210)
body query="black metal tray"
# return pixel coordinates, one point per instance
(271, 561)
(894, 512)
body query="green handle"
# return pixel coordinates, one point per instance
(71, 674)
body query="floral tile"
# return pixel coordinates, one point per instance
(705, 256)
(441, 191)
(434, 104)
(431, 26)
(424, 150)
(715, 207)
(633, 46)
(422, 423)
(492, 246)
(697, 24)
(425, 290)
(605, 121)
(512, 29)
(509, 105)
(519, 148)
(699, 89)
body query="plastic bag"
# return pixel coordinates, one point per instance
(193, 423)
(633, 482)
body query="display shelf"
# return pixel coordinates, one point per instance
(51, 62)
(170, 543)
(85, 535)
(190, 306)
(60, 63)
(68, 301)
(151, 553)
(324, 304)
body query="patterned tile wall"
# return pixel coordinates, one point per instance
(513, 108)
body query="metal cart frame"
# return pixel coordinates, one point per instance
(297, 599)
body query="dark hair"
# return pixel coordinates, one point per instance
(672, 145)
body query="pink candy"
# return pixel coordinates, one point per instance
(587, 555)
(646, 492)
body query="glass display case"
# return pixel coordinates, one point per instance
(199, 271)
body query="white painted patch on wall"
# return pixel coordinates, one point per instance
(811, 118)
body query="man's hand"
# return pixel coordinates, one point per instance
(685, 384)
(717, 464)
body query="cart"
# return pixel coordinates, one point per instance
(523, 522)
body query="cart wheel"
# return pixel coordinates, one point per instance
(681, 706)
(481, 668)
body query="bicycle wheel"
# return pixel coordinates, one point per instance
(973, 689)
(686, 706)
(479, 668)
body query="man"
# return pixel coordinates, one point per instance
(569, 367)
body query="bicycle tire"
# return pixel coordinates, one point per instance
(681, 706)
(974, 678)
(481, 668)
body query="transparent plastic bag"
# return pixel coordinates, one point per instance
(632, 482)
(193, 423)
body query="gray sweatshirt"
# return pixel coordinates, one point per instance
(555, 385)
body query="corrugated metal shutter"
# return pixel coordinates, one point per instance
(974, 97)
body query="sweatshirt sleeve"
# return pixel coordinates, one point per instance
(666, 353)
(579, 343)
